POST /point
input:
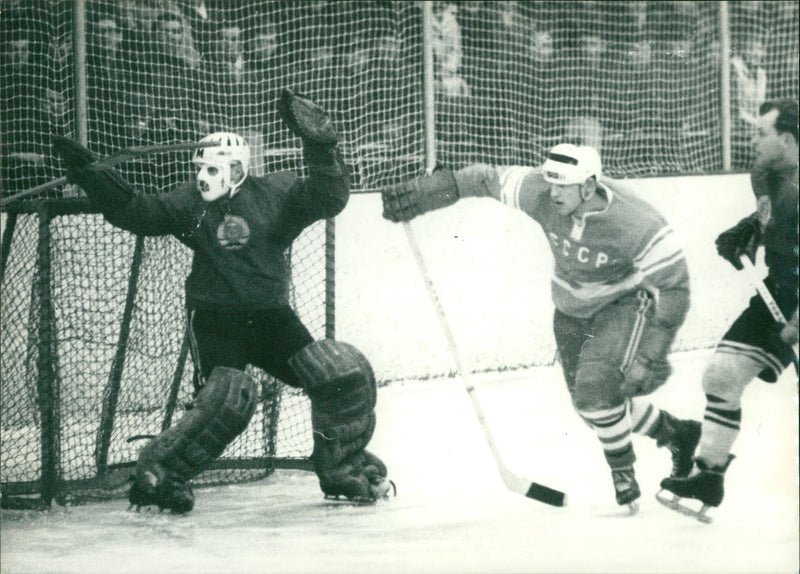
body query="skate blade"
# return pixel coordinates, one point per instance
(343, 500)
(384, 491)
(675, 503)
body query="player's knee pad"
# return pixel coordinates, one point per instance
(597, 386)
(726, 376)
(341, 385)
(221, 412)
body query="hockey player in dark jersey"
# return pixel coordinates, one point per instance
(239, 227)
(620, 288)
(755, 346)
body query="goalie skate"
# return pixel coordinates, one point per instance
(681, 505)
(172, 495)
(383, 491)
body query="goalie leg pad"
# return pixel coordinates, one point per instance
(222, 410)
(341, 385)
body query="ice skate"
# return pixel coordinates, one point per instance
(705, 485)
(626, 488)
(682, 447)
(171, 495)
(383, 490)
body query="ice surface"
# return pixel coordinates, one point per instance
(452, 513)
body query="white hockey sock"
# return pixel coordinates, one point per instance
(644, 415)
(721, 424)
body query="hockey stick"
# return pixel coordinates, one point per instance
(512, 481)
(121, 156)
(769, 301)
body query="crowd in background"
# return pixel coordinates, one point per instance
(639, 80)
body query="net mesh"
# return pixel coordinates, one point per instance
(92, 321)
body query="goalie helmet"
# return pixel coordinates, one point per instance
(214, 174)
(568, 164)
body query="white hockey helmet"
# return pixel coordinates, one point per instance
(214, 164)
(568, 164)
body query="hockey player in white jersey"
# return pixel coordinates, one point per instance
(620, 288)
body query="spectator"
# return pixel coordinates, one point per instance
(112, 123)
(513, 28)
(233, 86)
(265, 65)
(262, 47)
(23, 117)
(543, 121)
(702, 90)
(749, 91)
(588, 78)
(375, 96)
(452, 92)
(447, 51)
(585, 127)
(178, 105)
(669, 28)
(631, 119)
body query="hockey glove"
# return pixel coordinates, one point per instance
(789, 332)
(643, 376)
(405, 201)
(74, 155)
(650, 367)
(741, 238)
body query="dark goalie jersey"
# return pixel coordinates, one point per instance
(238, 243)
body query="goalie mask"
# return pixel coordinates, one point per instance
(218, 165)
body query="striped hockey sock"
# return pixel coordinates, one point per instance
(613, 428)
(721, 424)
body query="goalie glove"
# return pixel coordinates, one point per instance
(741, 238)
(74, 156)
(306, 119)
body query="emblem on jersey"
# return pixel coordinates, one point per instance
(233, 233)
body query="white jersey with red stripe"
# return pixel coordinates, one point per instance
(605, 254)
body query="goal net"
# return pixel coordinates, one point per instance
(92, 325)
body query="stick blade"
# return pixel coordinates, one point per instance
(546, 495)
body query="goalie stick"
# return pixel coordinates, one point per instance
(769, 301)
(116, 158)
(513, 482)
